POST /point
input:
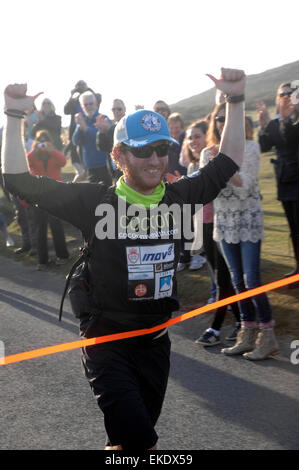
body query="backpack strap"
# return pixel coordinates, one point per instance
(86, 252)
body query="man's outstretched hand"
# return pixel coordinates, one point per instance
(231, 81)
(15, 97)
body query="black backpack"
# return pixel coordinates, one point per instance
(77, 285)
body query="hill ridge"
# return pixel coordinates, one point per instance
(260, 86)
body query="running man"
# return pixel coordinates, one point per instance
(132, 277)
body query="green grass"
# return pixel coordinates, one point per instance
(194, 287)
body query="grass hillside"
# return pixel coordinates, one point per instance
(259, 87)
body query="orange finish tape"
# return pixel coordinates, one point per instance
(130, 334)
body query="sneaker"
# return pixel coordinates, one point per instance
(197, 262)
(9, 241)
(208, 339)
(181, 267)
(211, 300)
(233, 334)
(21, 250)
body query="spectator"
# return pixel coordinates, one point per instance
(239, 228)
(162, 108)
(283, 134)
(175, 171)
(48, 120)
(73, 107)
(30, 120)
(216, 263)
(104, 138)
(85, 133)
(176, 128)
(44, 160)
(193, 144)
(118, 109)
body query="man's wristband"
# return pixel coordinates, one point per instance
(234, 98)
(15, 113)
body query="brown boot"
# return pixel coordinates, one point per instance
(245, 342)
(265, 346)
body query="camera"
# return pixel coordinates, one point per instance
(41, 145)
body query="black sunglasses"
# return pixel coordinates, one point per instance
(285, 93)
(161, 110)
(220, 118)
(147, 150)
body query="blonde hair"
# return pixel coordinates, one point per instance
(176, 117)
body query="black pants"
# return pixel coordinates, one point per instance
(129, 380)
(99, 175)
(26, 220)
(222, 277)
(291, 209)
(42, 218)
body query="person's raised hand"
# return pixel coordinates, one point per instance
(231, 81)
(15, 97)
(102, 123)
(213, 151)
(263, 114)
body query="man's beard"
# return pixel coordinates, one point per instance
(132, 175)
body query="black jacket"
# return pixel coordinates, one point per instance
(284, 136)
(133, 276)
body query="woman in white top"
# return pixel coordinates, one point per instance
(239, 228)
(216, 262)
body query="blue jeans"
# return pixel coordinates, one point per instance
(243, 261)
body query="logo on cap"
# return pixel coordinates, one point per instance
(150, 122)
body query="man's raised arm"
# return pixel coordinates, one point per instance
(232, 83)
(13, 151)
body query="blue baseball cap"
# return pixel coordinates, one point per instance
(142, 128)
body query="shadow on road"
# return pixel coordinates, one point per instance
(235, 400)
(38, 309)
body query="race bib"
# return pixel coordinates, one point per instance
(150, 271)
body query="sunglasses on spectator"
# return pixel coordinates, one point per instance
(220, 118)
(161, 110)
(147, 150)
(285, 93)
(88, 104)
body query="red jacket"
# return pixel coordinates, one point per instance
(51, 168)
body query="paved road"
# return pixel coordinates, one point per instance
(213, 402)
